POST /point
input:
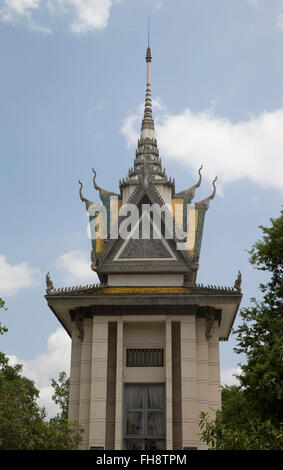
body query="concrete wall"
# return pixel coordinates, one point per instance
(95, 403)
(161, 280)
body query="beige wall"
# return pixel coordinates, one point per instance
(148, 335)
(189, 382)
(200, 375)
(152, 280)
(75, 372)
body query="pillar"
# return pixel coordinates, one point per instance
(97, 428)
(189, 382)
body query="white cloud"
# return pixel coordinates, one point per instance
(83, 15)
(16, 277)
(251, 148)
(228, 376)
(278, 4)
(280, 21)
(76, 265)
(15, 8)
(130, 128)
(132, 123)
(86, 15)
(158, 6)
(15, 11)
(48, 366)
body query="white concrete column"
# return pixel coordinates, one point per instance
(202, 370)
(119, 388)
(189, 381)
(85, 381)
(214, 391)
(75, 371)
(98, 387)
(168, 372)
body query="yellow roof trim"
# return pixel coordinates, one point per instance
(144, 290)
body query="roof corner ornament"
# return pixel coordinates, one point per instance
(49, 284)
(190, 193)
(83, 199)
(238, 283)
(205, 202)
(102, 192)
(195, 266)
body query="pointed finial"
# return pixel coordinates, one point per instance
(147, 129)
(238, 282)
(49, 284)
(190, 193)
(88, 203)
(148, 51)
(205, 202)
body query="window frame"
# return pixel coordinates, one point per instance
(145, 357)
(145, 410)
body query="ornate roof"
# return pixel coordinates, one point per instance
(147, 181)
(72, 304)
(146, 184)
(99, 289)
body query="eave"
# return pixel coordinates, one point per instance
(146, 300)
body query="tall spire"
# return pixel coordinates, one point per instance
(147, 129)
(147, 164)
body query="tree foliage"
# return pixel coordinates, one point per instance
(23, 424)
(252, 413)
(260, 337)
(252, 435)
(3, 329)
(61, 394)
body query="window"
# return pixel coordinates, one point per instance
(145, 357)
(144, 422)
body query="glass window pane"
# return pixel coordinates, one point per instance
(134, 423)
(155, 423)
(144, 416)
(134, 444)
(155, 397)
(155, 444)
(134, 397)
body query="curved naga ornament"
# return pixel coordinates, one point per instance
(238, 282)
(205, 202)
(102, 192)
(88, 203)
(190, 193)
(49, 283)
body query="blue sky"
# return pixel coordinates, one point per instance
(72, 84)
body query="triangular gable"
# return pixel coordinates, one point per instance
(136, 248)
(164, 251)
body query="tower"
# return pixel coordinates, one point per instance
(145, 340)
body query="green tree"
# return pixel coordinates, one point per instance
(67, 430)
(252, 413)
(23, 424)
(254, 434)
(61, 394)
(20, 417)
(3, 329)
(259, 336)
